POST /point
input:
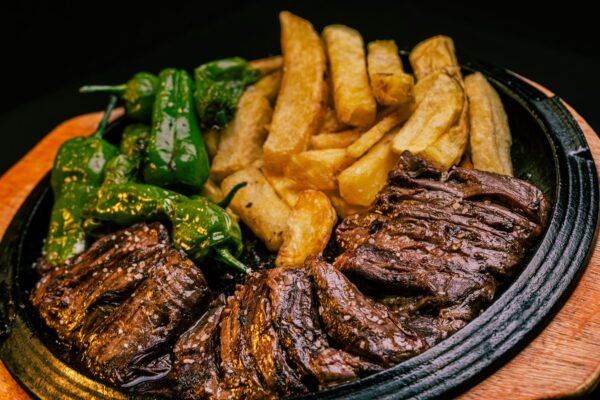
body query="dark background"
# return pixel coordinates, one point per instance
(49, 50)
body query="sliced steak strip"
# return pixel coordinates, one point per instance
(240, 374)
(106, 273)
(197, 359)
(271, 362)
(155, 313)
(295, 319)
(359, 324)
(123, 303)
(440, 243)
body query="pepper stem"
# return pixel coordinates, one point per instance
(227, 199)
(112, 102)
(226, 257)
(112, 89)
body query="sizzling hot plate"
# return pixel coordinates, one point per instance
(549, 150)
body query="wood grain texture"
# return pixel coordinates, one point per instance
(563, 360)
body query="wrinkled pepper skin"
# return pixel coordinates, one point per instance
(78, 171)
(175, 156)
(219, 86)
(124, 167)
(199, 227)
(138, 94)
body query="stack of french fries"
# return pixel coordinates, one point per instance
(317, 135)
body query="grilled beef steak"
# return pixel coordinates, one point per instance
(441, 242)
(425, 260)
(123, 302)
(358, 323)
(197, 359)
(294, 313)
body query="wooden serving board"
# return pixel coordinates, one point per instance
(563, 360)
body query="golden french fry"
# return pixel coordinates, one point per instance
(308, 229)
(211, 140)
(360, 183)
(211, 190)
(285, 187)
(343, 208)
(242, 141)
(317, 169)
(354, 102)
(330, 121)
(490, 135)
(374, 135)
(258, 206)
(390, 84)
(267, 65)
(433, 55)
(337, 140)
(423, 85)
(268, 86)
(450, 147)
(299, 106)
(436, 113)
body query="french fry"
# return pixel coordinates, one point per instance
(337, 140)
(360, 183)
(285, 187)
(267, 65)
(308, 229)
(354, 102)
(343, 208)
(317, 169)
(391, 86)
(242, 141)
(211, 190)
(330, 121)
(437, 112)
(450, 147)
(433, 55)
(490, 135)
(299, 106)
(374, 135)
(423, 85)
(268, 86)
(258, 206)
(211, 140)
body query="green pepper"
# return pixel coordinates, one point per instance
(124, 167)
(219, 86)
(138, 94)
(78, 171)
(175, 156)
(199, 227)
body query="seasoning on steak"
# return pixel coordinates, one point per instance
(359, 324)
(197, 359)
(441, 242)
(295, 319)
(240, 374)
(123, 302)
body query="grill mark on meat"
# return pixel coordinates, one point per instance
(240, 374)
(148, 319)
(295, 319)
(196, 366)
(123, 302)
(270, 359)
(65, 294)
(359, 324)
(444, 239)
